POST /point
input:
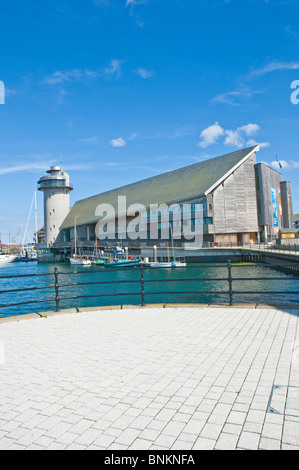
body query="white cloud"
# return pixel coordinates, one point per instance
(68, 75)
(291, 165)
(275, 66)
(118, 142)
(252, 142)
(228, 98)
(131, 4)
(144, 73)
(134, 2)
(244, 93)
(234, 137)
(249, 129)
(114, 68)
(210, 135)
(132, 136)
(89, 140)
(61, 77)
(9, 92)
(27, 167)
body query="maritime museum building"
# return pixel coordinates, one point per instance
(241, 202)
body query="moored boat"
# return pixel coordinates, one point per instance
(99, 262)
(178, 264)
(171, 264)
(160, 265)
(28, 257)
(4, 258)
(77, 261)
(123, 263)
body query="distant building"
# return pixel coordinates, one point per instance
(243, 202)
(296, 221)
(40, 236)
(287, 234)
(12, 248)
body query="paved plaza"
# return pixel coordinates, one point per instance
(155, 378)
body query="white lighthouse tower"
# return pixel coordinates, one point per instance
(56, 188)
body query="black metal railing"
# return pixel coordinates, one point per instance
(56, 287)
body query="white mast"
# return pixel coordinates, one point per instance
(75, 235)
(25, 233)
(35, 203)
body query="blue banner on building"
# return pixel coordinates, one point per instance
(274, 210)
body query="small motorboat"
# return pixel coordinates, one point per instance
(160, 265)
(171, 264)
(4, 258)
(27, 257)
(178, 264)
(122, 263)
(99, 262)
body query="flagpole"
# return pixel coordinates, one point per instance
(280, 165)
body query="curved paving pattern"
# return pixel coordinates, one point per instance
(158, 378)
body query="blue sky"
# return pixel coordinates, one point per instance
(127, 89)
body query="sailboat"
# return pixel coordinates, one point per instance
(29, 254)
(78, 260)
(162, 265)
(175, 263)
(97, 260)
(169, 264)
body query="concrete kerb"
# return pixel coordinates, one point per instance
(279, 306)
(28, 316)
(51, 313)
(95, 309)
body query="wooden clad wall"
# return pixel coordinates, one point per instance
(235, 207)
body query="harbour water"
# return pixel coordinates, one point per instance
(188, 287)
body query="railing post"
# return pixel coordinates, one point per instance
(57, 298)
(230, 283)
(142, 285)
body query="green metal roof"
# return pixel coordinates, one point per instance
(178, 185)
